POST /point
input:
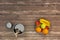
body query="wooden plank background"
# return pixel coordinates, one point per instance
(27, 12)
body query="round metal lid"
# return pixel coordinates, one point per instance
(8, 25)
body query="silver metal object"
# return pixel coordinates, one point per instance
(8, 25)
(19, 28)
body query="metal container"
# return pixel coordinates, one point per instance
(19, 28)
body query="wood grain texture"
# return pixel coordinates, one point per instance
(27, 12)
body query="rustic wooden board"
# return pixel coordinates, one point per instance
(27, 12)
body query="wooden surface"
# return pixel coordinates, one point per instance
(27, 12)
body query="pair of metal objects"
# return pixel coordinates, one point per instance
(18, 28)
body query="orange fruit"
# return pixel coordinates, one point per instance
(38, 29)
(45, 31)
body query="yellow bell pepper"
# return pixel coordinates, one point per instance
(46, 22)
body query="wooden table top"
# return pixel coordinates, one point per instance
(27, 12)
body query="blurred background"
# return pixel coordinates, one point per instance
(27, 12)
